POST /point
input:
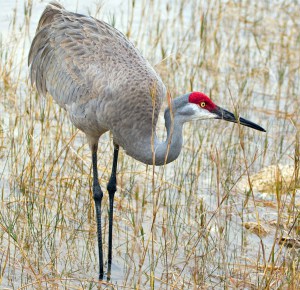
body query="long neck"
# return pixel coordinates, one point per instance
(150, 150)
(168, 150)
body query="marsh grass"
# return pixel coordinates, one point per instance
(182, 226)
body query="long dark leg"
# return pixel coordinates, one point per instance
(112, 188)
(98, 194)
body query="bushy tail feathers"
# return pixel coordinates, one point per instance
(50, 11)
(40, 49)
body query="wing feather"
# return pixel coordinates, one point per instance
(77, 58)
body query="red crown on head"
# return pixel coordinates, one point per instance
(202, 100)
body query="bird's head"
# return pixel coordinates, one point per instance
(198, 106)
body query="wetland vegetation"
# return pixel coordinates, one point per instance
(200, 222)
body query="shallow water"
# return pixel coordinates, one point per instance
(182, 186)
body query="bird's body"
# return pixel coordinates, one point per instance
(95, 73)
(104, 83)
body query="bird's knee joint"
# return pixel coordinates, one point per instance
(97, 193)
(112, 186)
(98, 197)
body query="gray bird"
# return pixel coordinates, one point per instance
(104, 83)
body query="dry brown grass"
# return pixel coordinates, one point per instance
(246, 56)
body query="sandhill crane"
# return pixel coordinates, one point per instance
(104, 83)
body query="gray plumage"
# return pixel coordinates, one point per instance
(96, 74)
(105, 84)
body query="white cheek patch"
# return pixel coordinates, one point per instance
(193, 107)
(200, 113)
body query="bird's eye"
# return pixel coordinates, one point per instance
(202, 104)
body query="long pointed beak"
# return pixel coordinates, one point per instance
(227, 116)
